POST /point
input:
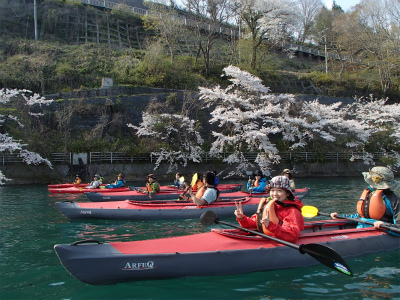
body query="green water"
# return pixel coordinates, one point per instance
(29, 268)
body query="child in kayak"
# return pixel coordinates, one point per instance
(288, 174)
(117, 183)
(278, 215)
(257, 185)
(179, 181)
(95, 184)
(77, 180)
(378, 203)
(152, 186)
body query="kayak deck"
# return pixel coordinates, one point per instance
(222, 239)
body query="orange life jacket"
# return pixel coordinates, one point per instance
(200, 192)
(264, 206)
(148, 187)
(372, 206)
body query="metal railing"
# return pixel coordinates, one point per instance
(121, 158)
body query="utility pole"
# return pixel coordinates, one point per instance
(326, 54)
(35, 18)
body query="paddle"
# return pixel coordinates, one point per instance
(321, 253)
(309, 211)
(192, 184)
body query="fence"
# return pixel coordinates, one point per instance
(121, 158)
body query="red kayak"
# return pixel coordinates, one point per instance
(220, 252)
(66, 185)
(151, 210)
(81, 190)
(226, 193)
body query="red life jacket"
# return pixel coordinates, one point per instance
(372, 206)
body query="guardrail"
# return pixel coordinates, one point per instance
(121, 158)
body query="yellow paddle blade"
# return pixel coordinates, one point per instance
(194, 179)
(309, 211)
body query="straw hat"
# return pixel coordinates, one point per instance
(381, 178)
(286, 171)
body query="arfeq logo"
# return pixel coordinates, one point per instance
(86, 212)
(130, 266)
(342, 268)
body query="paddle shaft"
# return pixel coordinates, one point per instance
(362, 221)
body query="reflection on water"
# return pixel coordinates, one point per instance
(31, 224)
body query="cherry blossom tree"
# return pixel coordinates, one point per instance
(177, 135)
(249, 117)
(9, 143)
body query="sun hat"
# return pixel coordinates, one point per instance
(97, 176)
(281, 182)
(286, 171)
(151, 176)
(381, 178)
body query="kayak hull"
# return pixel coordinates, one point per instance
(166, 193)
(81, 190)
(208, 254)
(169, 195)
(130, 210)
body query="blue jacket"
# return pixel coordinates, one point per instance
(119, 183)
(258, 189)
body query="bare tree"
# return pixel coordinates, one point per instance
(165, 20)
(371, 29)
(306, 12)
(264, 20)
(209, 17)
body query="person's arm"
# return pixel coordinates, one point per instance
(395, 203)
(197, 201)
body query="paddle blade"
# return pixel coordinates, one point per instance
(194, 179)
(207, 218)
(309, 211)
(327, 256)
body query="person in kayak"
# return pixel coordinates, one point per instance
(206, 194)
(95, 184)
(120, 182)
(77, 180)
(257, 185)
(152, 186)
(288, 174)
(278, 215)
(179, 181)
(380, 202)
(216, 178)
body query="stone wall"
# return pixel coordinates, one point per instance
(23, 174)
